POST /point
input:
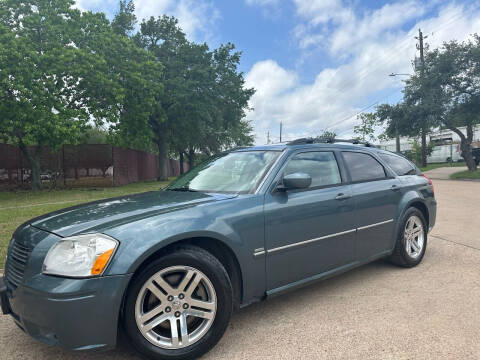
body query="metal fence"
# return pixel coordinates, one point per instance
(82, 165)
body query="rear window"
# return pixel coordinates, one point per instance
(400, 165)
(363, 167)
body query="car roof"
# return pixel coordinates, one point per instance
(284, 146)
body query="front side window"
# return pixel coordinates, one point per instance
(235, 172)
(400, 165)
(321, 166)
(363, 167)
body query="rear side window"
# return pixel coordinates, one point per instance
(321, 166)
(363, 167)
(400, 165)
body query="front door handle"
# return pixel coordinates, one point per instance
(395, 187)
(342, 196)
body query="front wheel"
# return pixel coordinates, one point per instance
(179, 306)
(412, 239)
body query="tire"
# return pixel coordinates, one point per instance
(406, 253)
(204, 311)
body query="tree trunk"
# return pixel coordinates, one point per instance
(466, 146)
(191, 158)
(36, 178)
(162, 155)
(424, 147)
(34, 163)
(181, 163)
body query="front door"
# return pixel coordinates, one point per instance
(309, 231)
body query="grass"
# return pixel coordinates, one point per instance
(439, 165)
(466, 175)
(16, 207)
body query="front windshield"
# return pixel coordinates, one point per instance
(235, 172)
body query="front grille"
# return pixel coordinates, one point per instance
(16, 263)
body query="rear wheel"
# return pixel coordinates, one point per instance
(179, 306)
(412, 239)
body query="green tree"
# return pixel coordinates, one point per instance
(326, 135)
(366, 130)
(450, 89)
(49, 87)
(415, 154)
(63, 72)
(125, 20)
(204, 100)
(165, 40)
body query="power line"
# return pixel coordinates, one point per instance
(388, 56)
(404, 43)
(363, 110)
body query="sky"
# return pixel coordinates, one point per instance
(315, 64)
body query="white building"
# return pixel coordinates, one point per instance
(447, 144)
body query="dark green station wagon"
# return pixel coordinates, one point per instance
(168, 267)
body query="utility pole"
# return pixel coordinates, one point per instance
(268, 137)
(420, 47)
(281, 125)
(397, 137)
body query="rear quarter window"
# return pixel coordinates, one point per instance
(363, 167)
(400, 165)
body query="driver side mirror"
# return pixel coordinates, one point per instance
(296, 181)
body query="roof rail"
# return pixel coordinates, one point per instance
(329, 141)
(301, 141)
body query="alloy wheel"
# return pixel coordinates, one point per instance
(176, 307)
(414, 236)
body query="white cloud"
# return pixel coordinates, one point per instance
(322, 11)
(196, 17)
(375, 43)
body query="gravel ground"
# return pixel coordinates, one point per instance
(375, 312)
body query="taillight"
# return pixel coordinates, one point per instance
(429, 181)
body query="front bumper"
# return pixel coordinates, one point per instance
(74, 314)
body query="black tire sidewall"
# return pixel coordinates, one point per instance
(407, 258)
(216, 273)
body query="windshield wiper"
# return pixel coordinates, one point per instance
(184, 188)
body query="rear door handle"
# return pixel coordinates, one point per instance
(395, 187)
(342, 196)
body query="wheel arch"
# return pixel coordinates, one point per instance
(420, 205)
(410, 199)
(216, 247)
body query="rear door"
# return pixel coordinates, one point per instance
(309, 231)
(376, 194)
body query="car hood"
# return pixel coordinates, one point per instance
(108, 213)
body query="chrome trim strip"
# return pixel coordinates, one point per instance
(258, 254)
(310, 241)
(376, 224)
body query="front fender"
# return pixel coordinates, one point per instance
(237, 223)
(135, 256)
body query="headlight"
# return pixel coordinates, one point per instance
(80, 256)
